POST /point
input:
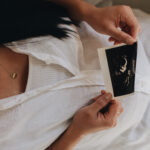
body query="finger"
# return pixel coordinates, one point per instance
(95, 98)
(130, 24)
(134, 25)
(113, 110)
(117, 43)
(120, 109)
(111, 39)
(102, 93)
(132, 30)
(135, 31)
(101, 102)
(121, 36)
(119, 112)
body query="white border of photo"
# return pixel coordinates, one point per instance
(106, 72)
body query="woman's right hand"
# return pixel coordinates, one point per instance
(89, 119)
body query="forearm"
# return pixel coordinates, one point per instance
(67, 141)
(78, 9)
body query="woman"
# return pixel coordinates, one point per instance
(14, 73)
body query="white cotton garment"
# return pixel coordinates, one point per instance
(48, 75)
(65, 75)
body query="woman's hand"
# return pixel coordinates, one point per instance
(90, 118)
(107, 20)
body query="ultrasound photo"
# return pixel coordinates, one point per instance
(122, 65)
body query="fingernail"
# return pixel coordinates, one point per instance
(103, 91)
(108, 96)
(130, 41)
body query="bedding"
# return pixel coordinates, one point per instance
(35, 119)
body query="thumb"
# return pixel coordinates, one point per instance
(113, 109)
(121, 36)
(101, 102)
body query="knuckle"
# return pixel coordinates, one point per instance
(125, 7)
(116, 103)
(110, 95)
(87, 113)
(107, 96)
(100, 102)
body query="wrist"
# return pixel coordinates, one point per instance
(91, 13)
(67, 140)
(73, 133)
(80, 10)
(86, 11)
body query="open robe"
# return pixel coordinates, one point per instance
(35, 119)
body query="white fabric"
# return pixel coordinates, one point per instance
(41, 74)
(33, 120)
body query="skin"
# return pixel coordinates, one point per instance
(18, 63)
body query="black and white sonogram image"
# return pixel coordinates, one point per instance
(122, 66)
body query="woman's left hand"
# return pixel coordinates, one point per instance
(107, 20)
